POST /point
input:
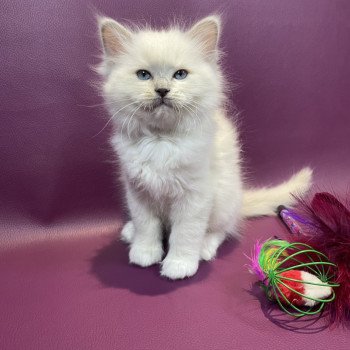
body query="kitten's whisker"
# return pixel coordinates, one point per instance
(177, 110)
(192, 107)
(130, 118)
(113, 116)
(105, 103)
(191, 113)
(92, 106)
(121, 131)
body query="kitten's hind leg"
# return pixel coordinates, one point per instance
(211, 243)
(128, 232)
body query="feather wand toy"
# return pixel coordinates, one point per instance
(324, 223)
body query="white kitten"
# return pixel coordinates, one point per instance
(178, 152)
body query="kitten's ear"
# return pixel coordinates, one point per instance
(114, 36)
(207, 33)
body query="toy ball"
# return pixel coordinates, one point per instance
(298, 277)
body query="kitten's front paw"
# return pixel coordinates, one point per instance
(128, 232)
(145, 255)
(177, 268)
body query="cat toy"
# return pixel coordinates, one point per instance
(295, 275)
(323, 222)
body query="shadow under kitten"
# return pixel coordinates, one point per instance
(111, 267)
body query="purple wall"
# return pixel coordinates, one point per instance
(289, 59)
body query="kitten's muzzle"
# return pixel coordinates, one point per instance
(162, 101)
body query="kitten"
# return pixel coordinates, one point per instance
(179, 153)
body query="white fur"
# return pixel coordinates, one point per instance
(264, 201)
(314, 288)
(181, 165)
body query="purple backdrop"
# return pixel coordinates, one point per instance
(65, 282)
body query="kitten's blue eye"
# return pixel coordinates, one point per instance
(143, 74)
(180, 74)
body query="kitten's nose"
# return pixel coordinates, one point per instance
(162, 92)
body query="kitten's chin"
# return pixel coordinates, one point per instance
(162, 111)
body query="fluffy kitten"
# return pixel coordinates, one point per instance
(179, 153)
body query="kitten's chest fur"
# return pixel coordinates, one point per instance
(163, 167)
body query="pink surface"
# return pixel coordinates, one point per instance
(82, 294)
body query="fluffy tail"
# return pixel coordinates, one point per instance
(265, 200)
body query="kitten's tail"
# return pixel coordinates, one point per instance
(265, 200)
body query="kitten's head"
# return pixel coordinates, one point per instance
(161, 78)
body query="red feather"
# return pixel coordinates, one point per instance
(328, 230)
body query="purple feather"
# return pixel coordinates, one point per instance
(299, 218)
